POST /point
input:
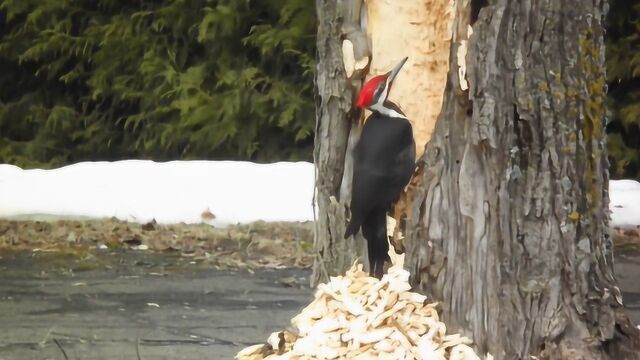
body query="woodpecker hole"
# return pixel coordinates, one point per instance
(476, 6)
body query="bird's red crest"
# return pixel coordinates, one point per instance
(368, 91)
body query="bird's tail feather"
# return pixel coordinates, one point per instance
(374, 229)
(378, 256)
(352, 227)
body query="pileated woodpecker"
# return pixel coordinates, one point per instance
(384, 160)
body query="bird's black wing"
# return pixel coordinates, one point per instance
(383, 164)
(369, 188)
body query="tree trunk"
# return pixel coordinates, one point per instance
(334, 118)
(509, 228)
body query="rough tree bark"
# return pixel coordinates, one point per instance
(510, 224)
(334, 119)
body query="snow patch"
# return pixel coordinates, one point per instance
(624, 196)
(215, 192)
(228, 192)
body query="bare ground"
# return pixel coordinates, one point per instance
(139, 305)
(257, 245)
(104, 289)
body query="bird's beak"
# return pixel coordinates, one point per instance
(394, 72)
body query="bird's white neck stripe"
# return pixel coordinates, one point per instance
(379, 106)
(387, 111)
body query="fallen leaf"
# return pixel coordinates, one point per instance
(133, 241)
(151, 225)
(289, 281)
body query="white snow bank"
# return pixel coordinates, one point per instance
(624, 203)
(179, 191)
(171, 192)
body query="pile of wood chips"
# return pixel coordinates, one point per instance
(360, 317)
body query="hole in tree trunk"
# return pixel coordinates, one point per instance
(476, 6)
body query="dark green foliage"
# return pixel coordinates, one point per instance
(173, 79)
(209, 79)
(623, 71)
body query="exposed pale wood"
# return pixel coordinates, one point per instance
(355, 40)
(352, 65)
(421, 30)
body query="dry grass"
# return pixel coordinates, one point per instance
(252, 246)
(257, 245)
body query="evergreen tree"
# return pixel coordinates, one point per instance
(110, 79)
(207, 79)
(623, 71)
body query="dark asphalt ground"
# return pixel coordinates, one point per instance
(137, 305)
(140, 309)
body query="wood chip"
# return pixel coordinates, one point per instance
(359, 317)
